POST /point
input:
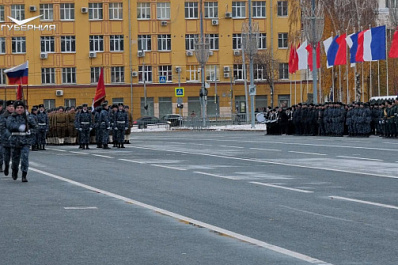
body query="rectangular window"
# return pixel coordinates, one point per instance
(258, 9)
(282, 40)
(95, 73)
(49, 103)
(68, 44)
(18, 45)
(47, 44)
(95, 11)
(192, 74)
(47, 75)
(213, 41)
(238, 9)
(117, 43)
(164, 42)
(70, 102)
(211, 9)
(283, 71)
(143, 10)
(238, 71)
(117, 74)
(1, 13)
(258, 72)
(262, 41)
(2, 77)
(46, 10)
(115, 11)
(282, 8)
(96, 43)
(165, 70)
(69, 75)
(145, 72)
(117, 100)
(191, 10)
(18, 12)
(144, 43)
(236, 41)
(211, 71)
(2, 45)
(67, 11)
(190, 40)
(163, 11)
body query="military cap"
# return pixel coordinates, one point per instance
(41, 106)
(34, 108)
(19, 103)
(114, 106)
(126, 107)
(84, 105)
(9, 102)
(105, 103)
(120, 104)
(61, 107)
(1, 102)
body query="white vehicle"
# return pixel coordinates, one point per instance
(383, 98)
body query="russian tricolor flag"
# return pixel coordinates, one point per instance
(371, 45)
(18, 75)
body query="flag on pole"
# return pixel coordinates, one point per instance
(18, 75)
(371, 45)
(293, 60)
(327, 43)
(341, 55)
(19, 92)
(394, 46)
(302, 56)
(100, 91)
(318, 56)
(352, 42)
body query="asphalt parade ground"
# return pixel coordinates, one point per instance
(206, 198)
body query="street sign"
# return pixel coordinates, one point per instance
(179, 91)
(162, 79)
(252, 90)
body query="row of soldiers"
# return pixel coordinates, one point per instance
(335, 119)
(82, 125)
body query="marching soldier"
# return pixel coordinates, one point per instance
(104, 125)
(5, 135)
(120, 126)
(43, 127)
(128, 131)
(84, 125)
(61, 125)
(34, 134)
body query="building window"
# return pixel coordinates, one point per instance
(164, 42)
(49, 103)
(236, 41)
(67, 11)
(258, 9)
(117, 74)
(145, 72)
(262, 41)
(211, 9)
(165, 70)
(115, 11)
(70, 102)
(2, 77)
(144, 43)
(258, 72)
(69, 75)
(96, 43)
(282, 8)
(95, 73)
(238, 71)
(68, 44)
(47, 44)
(282, 40)
(191, 10)
(163, 11)
(190, 40)
(192, 74)
(2, 14)
(211, 71)
(143, 10)
(391, 3)
(238, 9)
(117, 100)
(18, 12)
(2, 45)
(46, 10)
(18, 45)
(213, 41)
(283, 71)
(95, 11)
(48, 76)
(117, 43)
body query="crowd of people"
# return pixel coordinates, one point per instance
(335, 119)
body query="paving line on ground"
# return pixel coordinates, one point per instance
(280, 187)
(364, 202)
(78, 153)
(102, 156)
(266, 149)
(54, 149)
(307, 153)
(132, 161)
(215, 175)
(169, 167)
(191, 221)
(361, 158)
(232, 146)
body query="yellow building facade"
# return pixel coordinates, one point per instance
(67, 42)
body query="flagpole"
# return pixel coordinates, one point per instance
(333, 83)
(386, 66)
(348, 63)
(295, 91)
(320, 86)
(370, 81)
(378, 78)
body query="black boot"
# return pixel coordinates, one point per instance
(43, 147)
(118, 145)
(106, 146)
(24, 174)
(6, 169)
(14, 174)
(87, 146)
(128, 141)
(123, 146)
(81, 146)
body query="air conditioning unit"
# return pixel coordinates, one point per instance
(189, 53)
(228, 15)
(214, 22)
(141, 54)
(84, 10)
(211, 53)
(92, 55)
(236, 52)
(226, 69)
(163, 23)
(59, 93)
(43, 55)
(178, 69)
(134, 74)
(226, 75)
(32, 8)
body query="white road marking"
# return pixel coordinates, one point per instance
(175, 168)
(54, 149)
(232, 146)
(79, 153)
(214, 175)
(188, 220)
(360, 158)
(364, 202)
(132, 161)
(281, 187)
(266, 149)
(102, 156)
(80, 208)
(307, 153)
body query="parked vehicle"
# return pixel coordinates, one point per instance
(174, 119)
(144, 121)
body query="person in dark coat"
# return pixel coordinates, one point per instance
(104, 125)
(120, 126)
(84, 126)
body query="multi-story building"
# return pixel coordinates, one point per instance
(137, 41)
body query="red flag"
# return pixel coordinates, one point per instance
(100, 92)
(341, 56)
(318, 56)
(293, 60)
(394, 46)
(19, 92)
